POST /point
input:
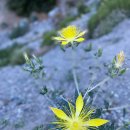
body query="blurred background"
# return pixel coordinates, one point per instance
(28, 26)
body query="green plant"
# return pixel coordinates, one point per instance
(66, 21)
(78, 113)
(20, 30)
(26, 7)
(105, 8)
(82, 9)
(47, 38)
(17, 56)
(40, 127)
(107, 24)
(19, 124)
(3, 123)
(12, 55)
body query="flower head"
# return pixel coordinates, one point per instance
(26, 56)
(70, 34)
(120, 58)
(77, 119)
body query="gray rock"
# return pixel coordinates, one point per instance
(54, 13)
(36, 32)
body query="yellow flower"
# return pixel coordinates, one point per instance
(77, 119)
(120, 58)
(26, 57)
(70, 34)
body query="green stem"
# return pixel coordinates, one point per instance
(76, 81)
(73, 69)
(96, 86)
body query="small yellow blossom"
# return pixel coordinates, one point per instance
(120, 58)
(70, 34)
(26, 57)
(77, 119)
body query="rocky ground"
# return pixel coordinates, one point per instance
(37, 29)
(22, 106)
(20, 101)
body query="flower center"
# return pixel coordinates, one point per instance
(75, 124)
(69, 33)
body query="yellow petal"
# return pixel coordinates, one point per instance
(96, 122)
(79, 40)
(79, 105)
(121, 57)
(82, 33)
(58, 38)
(59, 113)
(64, 43)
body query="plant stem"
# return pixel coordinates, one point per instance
(97, 85)
(74, 69)
(87, 91)
(76, 81)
